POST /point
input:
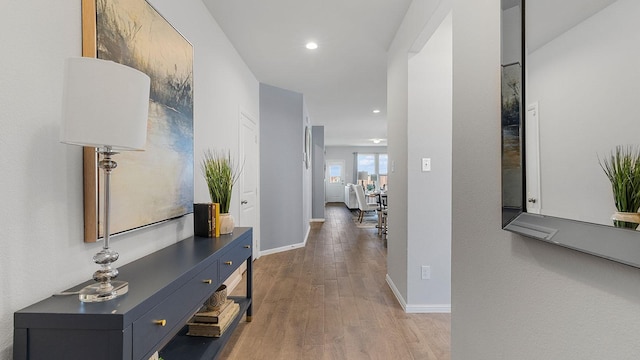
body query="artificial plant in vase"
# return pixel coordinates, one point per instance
(221, 173)
(622, 167)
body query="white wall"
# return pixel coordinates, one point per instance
(420, 22)
(586, 83)
(518, 298)
(346, 153)
(429, 136)
(510, 46)
(42, 251)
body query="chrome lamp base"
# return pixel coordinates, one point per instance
(105, 287)
(98, 293)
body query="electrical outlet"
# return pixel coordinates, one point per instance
(426, 272)
(426, 164)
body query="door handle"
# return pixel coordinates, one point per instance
(244, 202)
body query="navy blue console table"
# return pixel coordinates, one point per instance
(165, 289)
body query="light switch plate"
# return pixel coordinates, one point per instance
(426, 164)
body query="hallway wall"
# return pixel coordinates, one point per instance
(420, 22)
(429, 136)
(41, 213)
(514, 297)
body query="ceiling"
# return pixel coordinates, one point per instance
(343, 80)
(548, 19)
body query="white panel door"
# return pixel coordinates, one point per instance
(532, 160)
(334, 181)
(248, 182)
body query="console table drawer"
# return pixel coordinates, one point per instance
(170, 315)
(235, 256)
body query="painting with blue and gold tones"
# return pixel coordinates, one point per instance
(156, 184)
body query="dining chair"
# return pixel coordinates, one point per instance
(382, 215)
(363, 206)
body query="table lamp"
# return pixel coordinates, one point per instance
(104, 105)
(374, 178)
(363, 176)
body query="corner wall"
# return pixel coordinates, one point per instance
(284, 189)
(317, 166)
(417, 26)
(429, 136)
(42, 249)
(513, 297)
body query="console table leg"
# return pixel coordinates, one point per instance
(249, 285)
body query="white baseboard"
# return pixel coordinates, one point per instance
(281, 249)
(428, 309)
(317, 220)
(395, 291)
(417, 308)
(306, 236)
(288, 247)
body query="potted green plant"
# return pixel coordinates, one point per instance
(221, 173)
(622, 167)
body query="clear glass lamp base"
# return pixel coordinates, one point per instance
(99, 292)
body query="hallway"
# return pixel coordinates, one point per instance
(330, 300)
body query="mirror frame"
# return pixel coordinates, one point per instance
(616, 244)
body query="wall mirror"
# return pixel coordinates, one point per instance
(569, 85)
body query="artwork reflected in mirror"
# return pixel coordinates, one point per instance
(582, 88)
(511, 95)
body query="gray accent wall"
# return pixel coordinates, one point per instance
(281, 167)
(318, 173)
(515, 297)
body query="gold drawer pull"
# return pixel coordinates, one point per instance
(208, 281)
(228, 262)
(162, 322)
(247, 246)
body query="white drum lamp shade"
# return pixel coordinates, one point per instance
(104, 104)
(363, 175)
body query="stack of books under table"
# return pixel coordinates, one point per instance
(213, 323)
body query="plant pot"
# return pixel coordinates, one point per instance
(628, 220)
(227, 224)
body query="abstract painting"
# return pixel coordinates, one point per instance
(154, 185)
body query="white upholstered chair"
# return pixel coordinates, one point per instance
(363, 206)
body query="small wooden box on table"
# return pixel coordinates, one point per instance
(165, 289)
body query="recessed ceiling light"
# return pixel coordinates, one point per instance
(376, 111)
(376, 141)
(311, 45)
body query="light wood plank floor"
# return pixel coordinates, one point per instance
(330, 300)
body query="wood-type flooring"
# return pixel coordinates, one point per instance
(330, 300)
